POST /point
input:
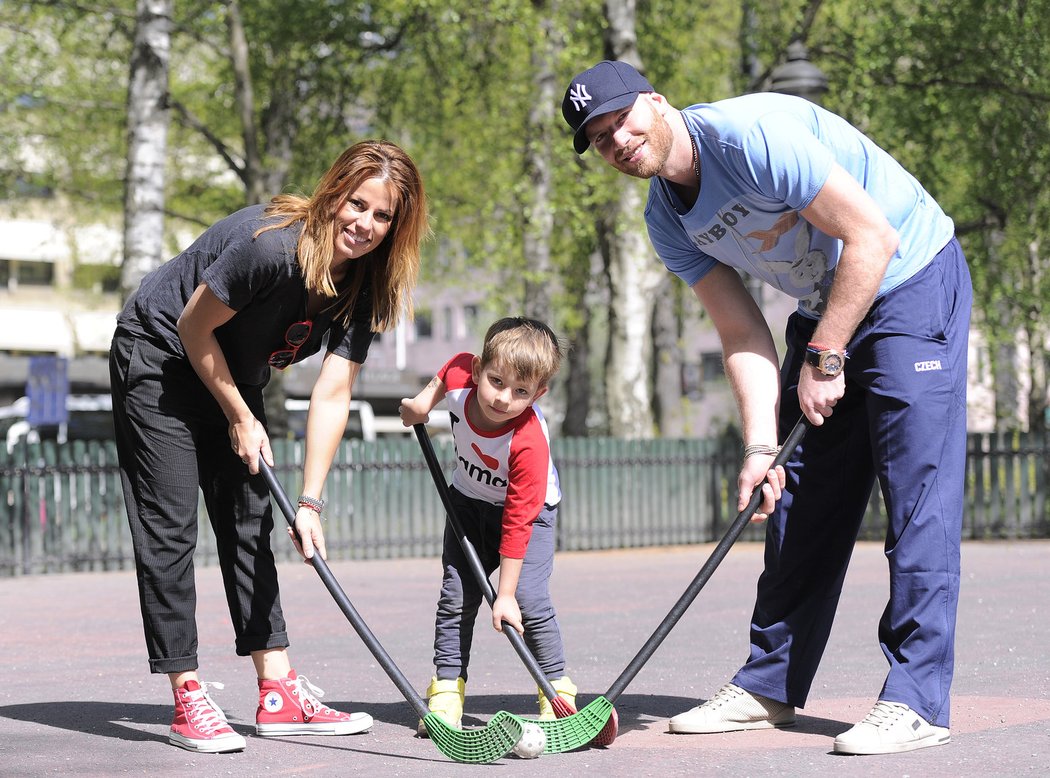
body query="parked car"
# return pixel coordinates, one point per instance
(90, 418)
(361, 424)
(364, 423)
(439, 426)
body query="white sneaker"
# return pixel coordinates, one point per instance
(733, 709)
(890, 728)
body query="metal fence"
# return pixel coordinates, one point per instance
(62, 508)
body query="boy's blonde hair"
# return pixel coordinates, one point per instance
(527, 346)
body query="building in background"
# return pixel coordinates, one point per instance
(58, 296)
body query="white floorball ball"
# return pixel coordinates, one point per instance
(532, 741)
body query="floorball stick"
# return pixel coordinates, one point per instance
(608, 733)
(486, 744)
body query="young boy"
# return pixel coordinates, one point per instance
(505, 491)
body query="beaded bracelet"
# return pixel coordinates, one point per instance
(312, 503)
(759, 448)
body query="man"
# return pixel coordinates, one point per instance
(792, 194)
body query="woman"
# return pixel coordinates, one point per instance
(190, 357)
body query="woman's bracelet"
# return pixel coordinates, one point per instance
(759, 448)
(312, 503)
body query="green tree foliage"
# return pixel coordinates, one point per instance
(310, 71)
(959, 92)
(459, 88)
(64, 87)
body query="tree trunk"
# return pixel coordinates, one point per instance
(1002, 337)
(591, 289)
(1038, 356)
(148, 119)
(578, 381)
(633, 273)
(539, 219)
(245, 98)
(633, 278)
(280, 126)
(260, 184)
(667, 357)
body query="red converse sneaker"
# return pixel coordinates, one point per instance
(290, 707)
(199, 724)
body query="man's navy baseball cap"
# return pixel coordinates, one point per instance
(608, 86)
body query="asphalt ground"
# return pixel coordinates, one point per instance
(76, 697)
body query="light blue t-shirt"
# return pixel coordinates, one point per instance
(763, 159)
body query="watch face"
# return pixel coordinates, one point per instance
(831, 364)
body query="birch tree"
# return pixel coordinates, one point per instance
(539, 131)
(961, 96)
(632, 270)
(148, 118)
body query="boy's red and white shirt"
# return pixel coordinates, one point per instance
(510, 466)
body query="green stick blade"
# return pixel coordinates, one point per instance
(475, 746)
(577, 730)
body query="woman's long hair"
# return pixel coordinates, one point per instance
(394, 263)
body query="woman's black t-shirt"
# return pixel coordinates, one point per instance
(259, 278)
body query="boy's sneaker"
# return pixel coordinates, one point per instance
(566, 689)
(890, 728)
(290, 706)
(445, 698)
(733, 709)
(200, 725)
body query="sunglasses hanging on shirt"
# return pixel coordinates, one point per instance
(295, 336)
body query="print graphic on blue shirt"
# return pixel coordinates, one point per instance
(763, 158)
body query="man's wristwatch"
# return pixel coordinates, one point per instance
(828, 361)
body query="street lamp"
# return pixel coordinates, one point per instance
(798, 76)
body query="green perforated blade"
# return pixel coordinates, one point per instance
(577, 730)
(476, 746)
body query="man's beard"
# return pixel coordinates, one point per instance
(658, 142)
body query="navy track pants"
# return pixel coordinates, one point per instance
(902, 420)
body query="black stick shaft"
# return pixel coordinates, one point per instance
(702, 577)
(347, 607)
(475, 562)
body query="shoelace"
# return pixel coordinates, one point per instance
(308, 695)
(724, 696)
(202, 711)
(884, 713)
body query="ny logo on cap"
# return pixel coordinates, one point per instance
(579, 96)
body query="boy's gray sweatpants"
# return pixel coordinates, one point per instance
(461, 596)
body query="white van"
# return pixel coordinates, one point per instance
(91, 418)
(440, 424)
(361, 423)
(364, 423)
